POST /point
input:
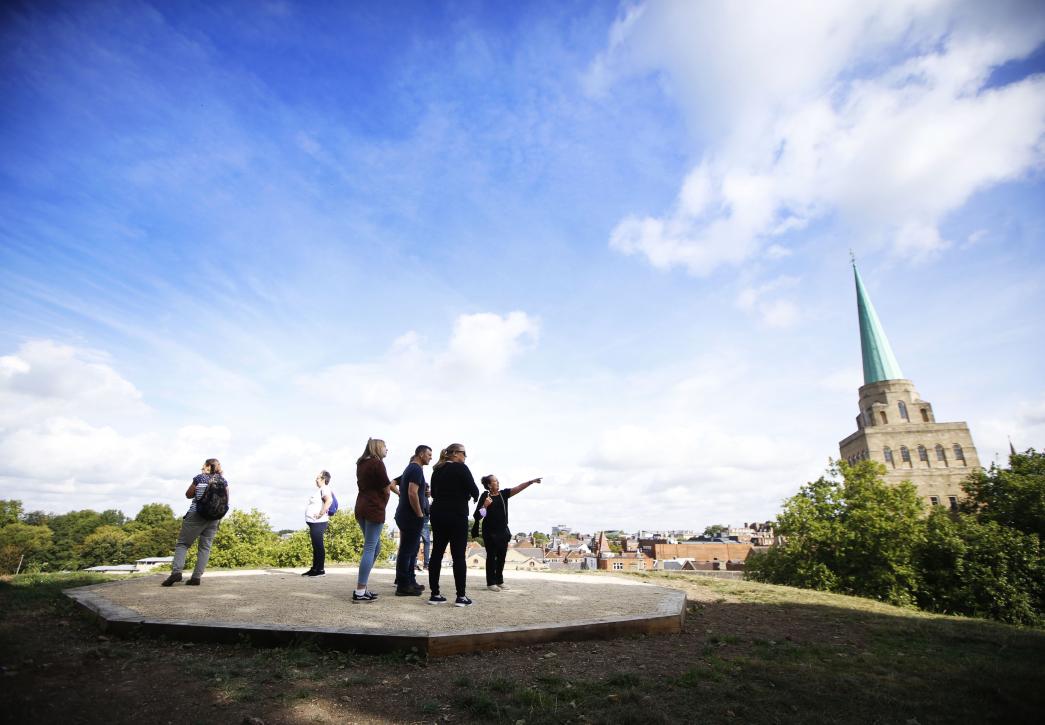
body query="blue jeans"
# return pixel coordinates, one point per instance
(371, 547)
(426, 539)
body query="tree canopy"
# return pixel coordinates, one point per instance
(850, 532)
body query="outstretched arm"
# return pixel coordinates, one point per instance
(519, 488)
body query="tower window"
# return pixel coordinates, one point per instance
(885, 420)
(869, 416)
(934, 500)
(888, 453)
(941, 454)
(925, 415)
(923, 455)
(903, 410)
(953, 501)
(959, 454)
(905, 455)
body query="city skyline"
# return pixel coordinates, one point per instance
(603, 244)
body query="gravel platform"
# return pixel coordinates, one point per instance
(283, 598)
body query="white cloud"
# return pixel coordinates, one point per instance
(50, 375)
(767, 300)
(871, 110)
(485, 343)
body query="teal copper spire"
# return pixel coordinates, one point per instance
(879, 361)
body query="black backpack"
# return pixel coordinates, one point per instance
(214, 503)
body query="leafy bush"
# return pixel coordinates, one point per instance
(980, 569)
(853, 535)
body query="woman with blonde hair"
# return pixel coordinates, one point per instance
(452, 486)
(194, 526)
(316, 518)
(374, 488)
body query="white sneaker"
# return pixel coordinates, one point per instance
(494, 588)
(505, 587)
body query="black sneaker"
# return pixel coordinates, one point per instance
(193, 582)
(408, 592)
(367, 596)
(172, 579)
(462, 602)
(308, 573)
(314, 573)
(437, 599)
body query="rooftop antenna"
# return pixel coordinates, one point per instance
(852, 257)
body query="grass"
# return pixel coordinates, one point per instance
(749, 652)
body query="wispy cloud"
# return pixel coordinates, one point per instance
(876, 112)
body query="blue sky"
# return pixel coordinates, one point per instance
(606, 244)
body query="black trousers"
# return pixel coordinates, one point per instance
(453, 531)
(496, 550)
(409, 539)
(319, 554)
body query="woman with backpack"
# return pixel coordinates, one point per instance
(374, 490)
(317, 516)
(201, 521)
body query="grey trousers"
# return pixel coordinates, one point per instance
(194, 526)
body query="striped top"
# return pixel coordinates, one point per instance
(201, 482)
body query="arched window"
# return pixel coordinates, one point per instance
(888, 453)
(941, 454)
(925, 415)
(905, 455)
(959, 454)
(923, 455)
(903, 410)
(885, 420)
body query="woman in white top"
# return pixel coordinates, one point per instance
(316, 517)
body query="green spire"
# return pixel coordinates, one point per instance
(879, 361)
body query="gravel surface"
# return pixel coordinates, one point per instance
(283, 597)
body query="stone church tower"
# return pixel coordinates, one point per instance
(897, 428)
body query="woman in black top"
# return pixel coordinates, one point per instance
(492, 511)
(452, 486)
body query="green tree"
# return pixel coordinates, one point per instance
(244, 539)
(1014, 496)
(854, 535)
(155, 514)
(153, 532)
(23, 543)
(295, 550)
(106, 545)
(36, 518)
(540, 538)
(10, 511)
(716, 530)
(70, 530)
(156, 541)
(980, 569)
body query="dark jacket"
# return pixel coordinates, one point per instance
(452, 486)
(496, 520)
(372, 479)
